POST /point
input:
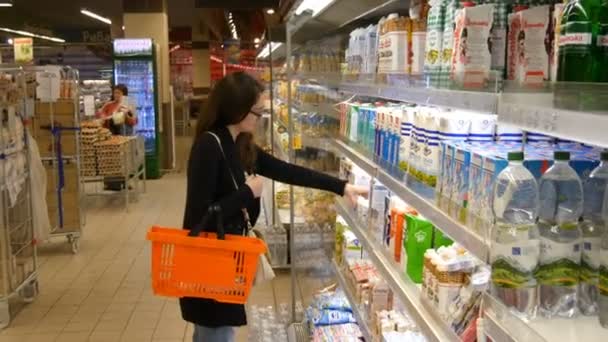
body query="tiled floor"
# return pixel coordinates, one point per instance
(103, 293)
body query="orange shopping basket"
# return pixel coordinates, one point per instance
(204, 265)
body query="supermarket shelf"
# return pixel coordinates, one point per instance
(474, 243)
(536, 112)
(427, 319)
(478, 101)
(361, 321)
(501, 325)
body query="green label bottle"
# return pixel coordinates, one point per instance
(602, 44)
(576, 42)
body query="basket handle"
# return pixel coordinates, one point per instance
(213, 209)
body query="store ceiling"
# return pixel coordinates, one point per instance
(56, 15)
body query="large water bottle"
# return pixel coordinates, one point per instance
(515, 240)
(592, 229)
(561, 205)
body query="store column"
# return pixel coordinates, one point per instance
(201, 81)
(148, 19)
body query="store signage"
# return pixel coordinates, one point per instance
(89, 105)
(133, 47)
(24, 50)
(48, 84)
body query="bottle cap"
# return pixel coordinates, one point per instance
(561, 155)
(515, 156)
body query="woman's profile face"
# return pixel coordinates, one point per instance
(250, 122)
(117, 94)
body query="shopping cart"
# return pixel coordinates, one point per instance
(204, 265)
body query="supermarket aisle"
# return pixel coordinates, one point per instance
(103, 293)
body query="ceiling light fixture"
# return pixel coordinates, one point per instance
(265, 53)
(270, 11)
(10, 41)
(123, 27)
(257, 40)
(6, 3)
(33, 35)
(96, 16)
(316, 6)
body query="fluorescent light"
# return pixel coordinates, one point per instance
(123, 27)
(33, 35)
(6, 4)
(10, 41)
(265, 53)
(96, 16)
(257, 40)
(316, 6)
(270, 11)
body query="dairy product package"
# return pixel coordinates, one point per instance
(370, 56)
(393, 47)
(471, 58)
(556, 23)
(419, 33)
(434, 37)
(483, 127)
(506, 132)
(475, 189)
(431, 152)
(498, 35)
(352, 246)
(407, 121)
(453, 126)
(416, 143)
(528, 56)
(460, 195)
(379, 208)
(532, 137)
(448, 171)
(419, 239)
(447, 41)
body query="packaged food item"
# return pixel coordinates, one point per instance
(329, 317)
(527, 46)
(419, 239)
(483, 127)
(602, 44)
(447, 41)
(393, 48)
(419, 36)
(332, 301)
(471, 58)
(460, 198)
(498, 36)
(434, 38)
(556, 26)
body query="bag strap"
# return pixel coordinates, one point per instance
(213, 210)
(236, 186)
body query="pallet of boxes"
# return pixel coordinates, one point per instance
(55, 128)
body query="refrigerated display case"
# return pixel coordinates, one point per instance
(135, 67)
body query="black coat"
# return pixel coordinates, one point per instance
(209, 182)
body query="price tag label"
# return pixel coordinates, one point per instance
(89, 105)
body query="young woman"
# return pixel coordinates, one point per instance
(118, 116)
(223, 148)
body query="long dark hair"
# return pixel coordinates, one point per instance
(229, 103)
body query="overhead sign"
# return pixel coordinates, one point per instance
(232, 51)
(133, 47)
(24, 50)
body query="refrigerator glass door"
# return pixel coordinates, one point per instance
(138, 76)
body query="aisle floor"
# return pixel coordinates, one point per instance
(103, 293)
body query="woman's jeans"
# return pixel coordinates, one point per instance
(220, 334)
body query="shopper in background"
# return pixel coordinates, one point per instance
(119, 117)
(223, 148)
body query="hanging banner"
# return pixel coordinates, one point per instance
(24, 50)
(232, 51)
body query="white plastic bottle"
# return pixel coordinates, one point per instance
(561, 205)
(592, 228)
(515, 241)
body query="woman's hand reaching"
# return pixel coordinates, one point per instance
(352, 193)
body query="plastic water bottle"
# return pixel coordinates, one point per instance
(592, 229)
(561, 205)
(515, 240)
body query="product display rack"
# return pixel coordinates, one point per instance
(63, 114)
(361, 321)
(561, 110)
(19, 264)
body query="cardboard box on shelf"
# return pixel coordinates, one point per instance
(70, 174)
(63, 107)
(48, 147)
